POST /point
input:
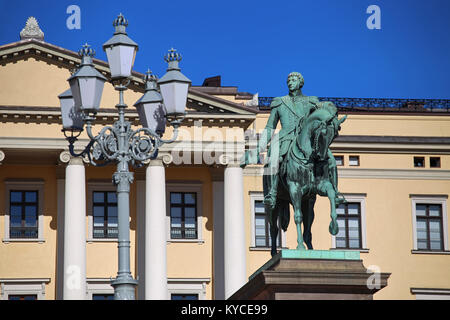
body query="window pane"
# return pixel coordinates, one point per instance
(175, 197)
(436, 245)
(112, 197)
(422, 244)
(99, 211)
(99, 221)
(30, 211)
(260, 241)
(341, 209)
(112, 211)
(30, 196)
(189, 198)
(16, 196)
(175, 222)
(259, 207)
(340, 243)
(175, 212)
(99, 197)
(422, 235)
(354, 243)
(435, 210)
(421, 210)
(189, 212)
(353, 208)
(113, 222)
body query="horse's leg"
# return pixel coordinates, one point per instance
(308, 218)
(273, 222)
(296, 195)
(331, 194)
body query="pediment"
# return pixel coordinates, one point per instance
(199, 104)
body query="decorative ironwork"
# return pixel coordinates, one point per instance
(361, 104)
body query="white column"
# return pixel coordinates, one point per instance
(75, 232)
(218, 243)
(140, 218)
(155, 232)
(234, 229)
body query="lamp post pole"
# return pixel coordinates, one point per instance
(164, 100)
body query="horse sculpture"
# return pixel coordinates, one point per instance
(306, 172)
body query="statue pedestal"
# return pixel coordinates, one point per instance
(312, 275)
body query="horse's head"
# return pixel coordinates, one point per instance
(319, 131)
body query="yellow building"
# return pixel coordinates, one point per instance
(394, 169)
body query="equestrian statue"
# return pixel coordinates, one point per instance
(299, 163)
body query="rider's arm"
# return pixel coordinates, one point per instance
(270, 126)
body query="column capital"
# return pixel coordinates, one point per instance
(66, 157)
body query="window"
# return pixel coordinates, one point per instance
(23, 214)
(183, 215)
(184, 296)
(339, 160)
(419, 162)
(187, 288)
(429, 226)
(262, 227)
(349, 222)
(24, 205)
(435, 162)
(102, 211)
(22, 297)
(23, 289)
(429, 218)
(103, 296)
(261, 237)
(104, 208)
(353, 160)
(184, 211)
(99, 289)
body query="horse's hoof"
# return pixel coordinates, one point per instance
(334, 228)
(301, 247)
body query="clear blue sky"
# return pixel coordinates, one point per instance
(255, 44)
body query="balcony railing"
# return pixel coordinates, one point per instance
(23, 232)
(106, 232)
(364, 104)
(183, 233)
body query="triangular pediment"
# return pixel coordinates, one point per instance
(199, 105)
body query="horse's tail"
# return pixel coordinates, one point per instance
(284, 215)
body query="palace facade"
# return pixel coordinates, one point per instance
(393, 161)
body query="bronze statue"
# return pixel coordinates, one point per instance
(300, 164)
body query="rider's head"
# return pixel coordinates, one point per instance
(295, 81)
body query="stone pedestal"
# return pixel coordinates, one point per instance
(312, 275)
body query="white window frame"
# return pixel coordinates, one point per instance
(361, 199)
(259, 196)
(186, 187)
(38, 185)
(23, 287)
(98, 286)
(429, 199)
(96, 186)
(187, 286)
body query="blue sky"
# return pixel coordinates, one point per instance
(255, 44)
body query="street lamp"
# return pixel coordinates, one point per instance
(120, 144)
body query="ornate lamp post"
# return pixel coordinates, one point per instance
(119, 143)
